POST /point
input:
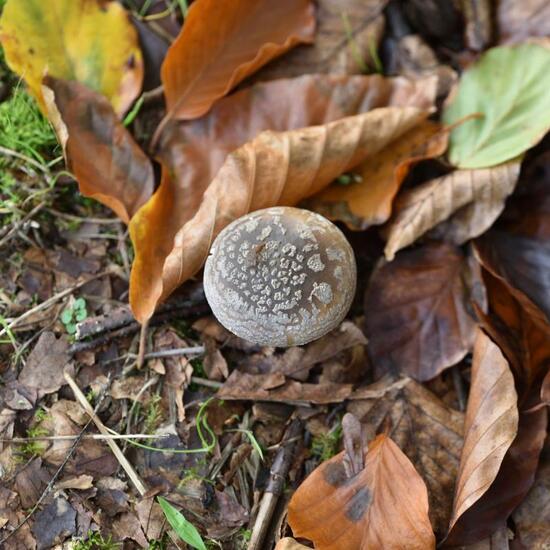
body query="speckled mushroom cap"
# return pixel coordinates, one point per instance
(280, 276)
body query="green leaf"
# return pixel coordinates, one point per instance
(66, 316)
(80, 315)
(185, 530)
(508, 88)
(79, 303)
(71, 328)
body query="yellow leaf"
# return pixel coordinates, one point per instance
(89, 41)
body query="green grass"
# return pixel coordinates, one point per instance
(326, 446)
(24, 129)
(95, 541)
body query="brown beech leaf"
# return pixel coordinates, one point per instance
(276, 387)
(483, 191)
(427, 430)
(385, 505)
(519, 20)
(108, 164)
(526, 345)
(288, 543)
(348, 32)
(490, 427)
(517, 248)
(276, 168)
(193, 151)
(369, 201)
(417, 314)
(220, 44)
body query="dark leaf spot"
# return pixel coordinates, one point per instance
(358, 504)
(335, 474)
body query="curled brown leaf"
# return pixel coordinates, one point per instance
(276, 168)
(482, 191)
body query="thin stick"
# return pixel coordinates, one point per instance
(194, 350)
(123, 461)
(50, 301)
(142, 344)
(275, 486)
(28, 160)
(18, 224)
(86, 436)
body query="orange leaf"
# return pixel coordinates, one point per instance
(490, 427)
(221, 43)
(108, 164)
(385, 505)
(369, 201)
(276, 168)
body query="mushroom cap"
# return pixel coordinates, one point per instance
(280, 277)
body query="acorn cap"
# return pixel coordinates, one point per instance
(280, 276)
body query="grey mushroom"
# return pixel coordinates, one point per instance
(280, 276)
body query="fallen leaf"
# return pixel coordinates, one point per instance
(80, 483)
(276, 168)
(275, 387)
(54, 523)
(517, 248)
(347, 35)
(219, 45)
(427, 430)
(108, 164)
(506, 89)
(31, 481)
(519, 20)
(127, 526)
(369, 201)
(526, 347)
(73, 40)
(532, 517)
(385, 505)
(478, 23)
(490, 427)
(417, 314)
(422, 208)
(288, 543)
(151, 518)
(45, 365)
(545, 390)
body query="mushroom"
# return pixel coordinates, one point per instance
(280, 276)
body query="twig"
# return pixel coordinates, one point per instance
(459, 387)
(206, 383)
(50, 301)
(86, 436)
(142, 344)
(52, 481)
(123, 461)
(194, 350)
(16, 225)
(275, 486)
(25, 158)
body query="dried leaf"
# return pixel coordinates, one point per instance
(369, 201)
(490, 427)
(532, 518)
(434, 202)
(54, 523)
(221, 44)
(273, 169)
(348, 32)
(384, 506)
(519, 20)
(74, 41)
(275, 387)
(425, 429)
(288, 543)
(108, 164)
(417, 315)
(506, 88)
(44, 367)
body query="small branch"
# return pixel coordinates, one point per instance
(142, 344)
(275, 485)
(25, 158)
(16, 225)
(86, 436)
(123, 461)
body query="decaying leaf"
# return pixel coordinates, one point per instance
(278, 388)
(505, 92)
(417, 313)
(519, 20)
(213, 54)
(483, 191)
(73, 40)
(54, 523)
(383, 506)
(490, 427)
(346, 38)
(369, 200)
(273, 169)
(108, 164)
(288, 543)
(427, 430)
